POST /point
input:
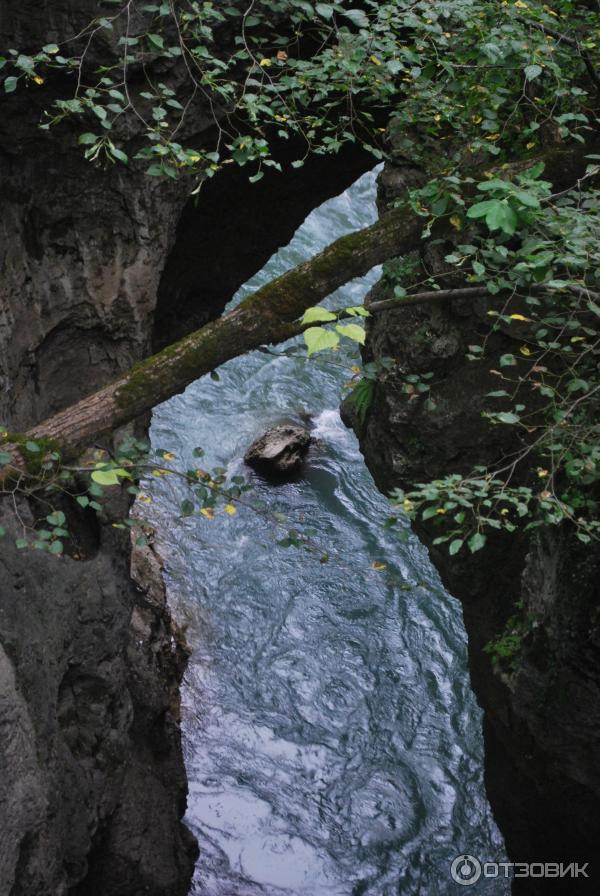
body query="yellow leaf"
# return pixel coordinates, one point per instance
(208, 512)
(265, 63)
(525, 351)
(519, 317)
(38, 79)
(456, 222)
(145, 499)
(161, 472)
(378, 566)
(375, 60)
(230, 509)
(168, 455)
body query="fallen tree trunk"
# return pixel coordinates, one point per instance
(268, 316)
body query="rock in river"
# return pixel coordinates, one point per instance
(280, 451)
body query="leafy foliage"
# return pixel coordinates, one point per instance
(472, 75)
(548, 279)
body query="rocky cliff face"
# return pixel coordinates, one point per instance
(98, 265)
(542, 713)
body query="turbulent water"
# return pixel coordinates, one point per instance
(333, 744)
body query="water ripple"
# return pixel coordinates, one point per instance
(333, 744)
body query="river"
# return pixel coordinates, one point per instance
(333, 744)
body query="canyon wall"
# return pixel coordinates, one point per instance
(542, 711)
(100, 264)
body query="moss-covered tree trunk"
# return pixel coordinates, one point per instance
(268, 316)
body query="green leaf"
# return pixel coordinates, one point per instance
(357, 17)
(527, 199)
(352, 331)
(56, 548)
(498, 214)
(507, 417)
(87, 139)
(325, 10)
(10, 84)
(480, 209)
(318, 339)
(83, 500)
(533, 71)
(187, 507)
(499, 186)
(32, 447)
(476, 542)
(21, 543)
(57, 518)
(455, 546)
(5, 457)
(119, 155)
(502, 217)
(156, 40)
(312, 315)
(105, 477)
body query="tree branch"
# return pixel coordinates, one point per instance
(468, 292)
(268, 316)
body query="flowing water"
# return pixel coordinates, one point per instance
(333, 744)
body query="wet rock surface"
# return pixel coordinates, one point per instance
(279, 452)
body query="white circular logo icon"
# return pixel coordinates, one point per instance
(466, 870)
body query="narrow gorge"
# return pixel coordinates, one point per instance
(211, 710)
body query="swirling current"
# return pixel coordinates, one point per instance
(332, 741)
